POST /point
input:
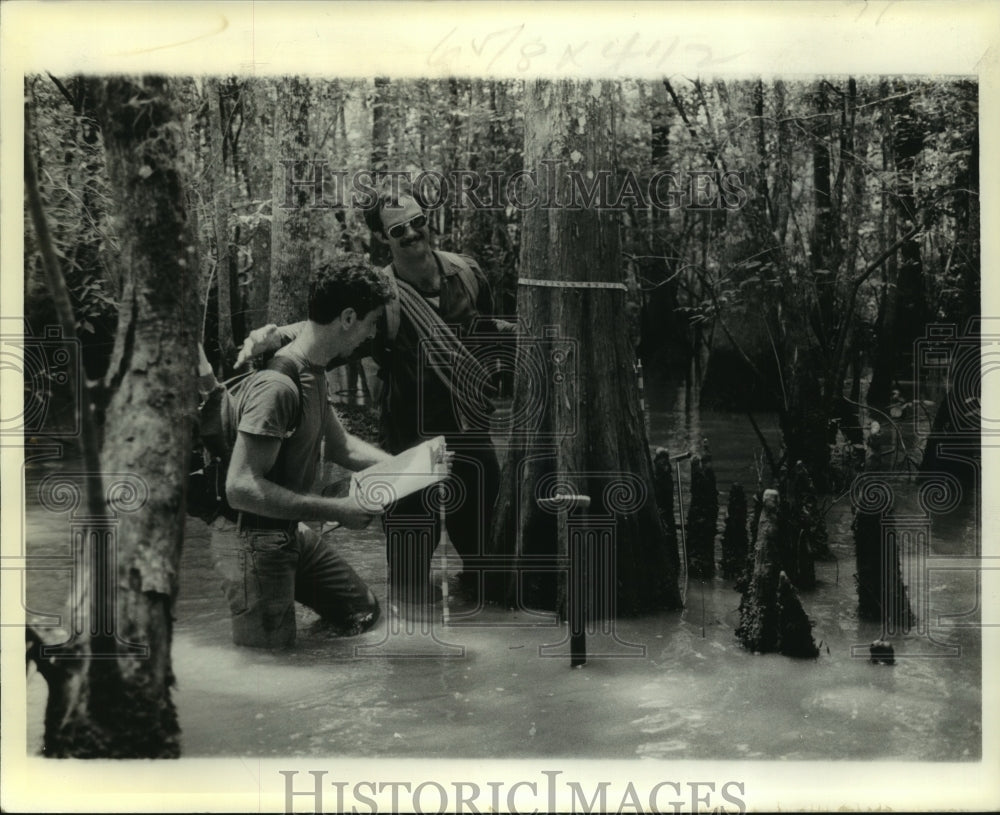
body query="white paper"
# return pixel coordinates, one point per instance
(402, 475)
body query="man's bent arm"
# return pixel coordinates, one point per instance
(249, 490)
(349, 451)
(268, 338)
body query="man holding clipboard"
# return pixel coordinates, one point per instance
(443, 300)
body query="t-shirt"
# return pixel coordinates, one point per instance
(267, 405)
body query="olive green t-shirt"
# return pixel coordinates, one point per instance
(266, 404)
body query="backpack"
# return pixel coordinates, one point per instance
(214, 439)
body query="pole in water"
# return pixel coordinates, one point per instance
(702, 582)
(578, 587)
(680, 504)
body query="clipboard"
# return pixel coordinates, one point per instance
(411, 471)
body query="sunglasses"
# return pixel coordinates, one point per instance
(397, 231)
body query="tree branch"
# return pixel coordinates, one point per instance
(74, 103)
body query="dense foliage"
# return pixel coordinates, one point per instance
(786, 243)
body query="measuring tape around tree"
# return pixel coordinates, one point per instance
(570, 284)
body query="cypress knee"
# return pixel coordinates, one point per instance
(771, 616)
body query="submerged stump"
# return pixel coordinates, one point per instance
(772, 619)
(882, 594)
(734, 537)
(803, 528)
(753, 524)
(663, 491)
(703, 518)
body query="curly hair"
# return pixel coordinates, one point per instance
(348, 282)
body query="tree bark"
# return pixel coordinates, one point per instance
(291, 217)
(771, 616)
(110, 693)
(381, 136)
(904, 312)
(734, 537)
(575, 368)
(702, 519)
(219, 191)
(258, 113)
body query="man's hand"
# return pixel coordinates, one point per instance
(352, 515)
(259, 341)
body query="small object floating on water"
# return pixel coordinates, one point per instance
(882, 653)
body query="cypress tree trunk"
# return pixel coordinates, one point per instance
(219, 190)
(734, 538)
(771, 617)
(576, 408)
(703, 518)
(258, 113)
(882, 595)
(110, 687)
(290, 207)
(663, 485)
(381, 133)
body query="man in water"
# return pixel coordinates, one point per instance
(268, 558)
(444, 309)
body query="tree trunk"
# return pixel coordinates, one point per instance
(575, 368)
(258, 113)
(219, 191)
(904, 310)
(771, 617)
(882, 594)
(734, 537)
(381, 134)
(110, 687)
(703, 519)
(290, 205)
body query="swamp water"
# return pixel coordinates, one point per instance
(693, 694)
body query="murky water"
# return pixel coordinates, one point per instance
(485, 689)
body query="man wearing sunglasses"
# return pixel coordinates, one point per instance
(443, 312)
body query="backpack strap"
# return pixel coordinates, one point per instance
(283, 365)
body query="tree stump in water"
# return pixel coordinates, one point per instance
(882, 594)
(798, 526)
(663, 490)
(743, 580)
(734, 537)
(771, 617)
(702, 521)
(808, 517)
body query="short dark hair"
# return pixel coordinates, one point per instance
(373, 212)
(350, 281)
